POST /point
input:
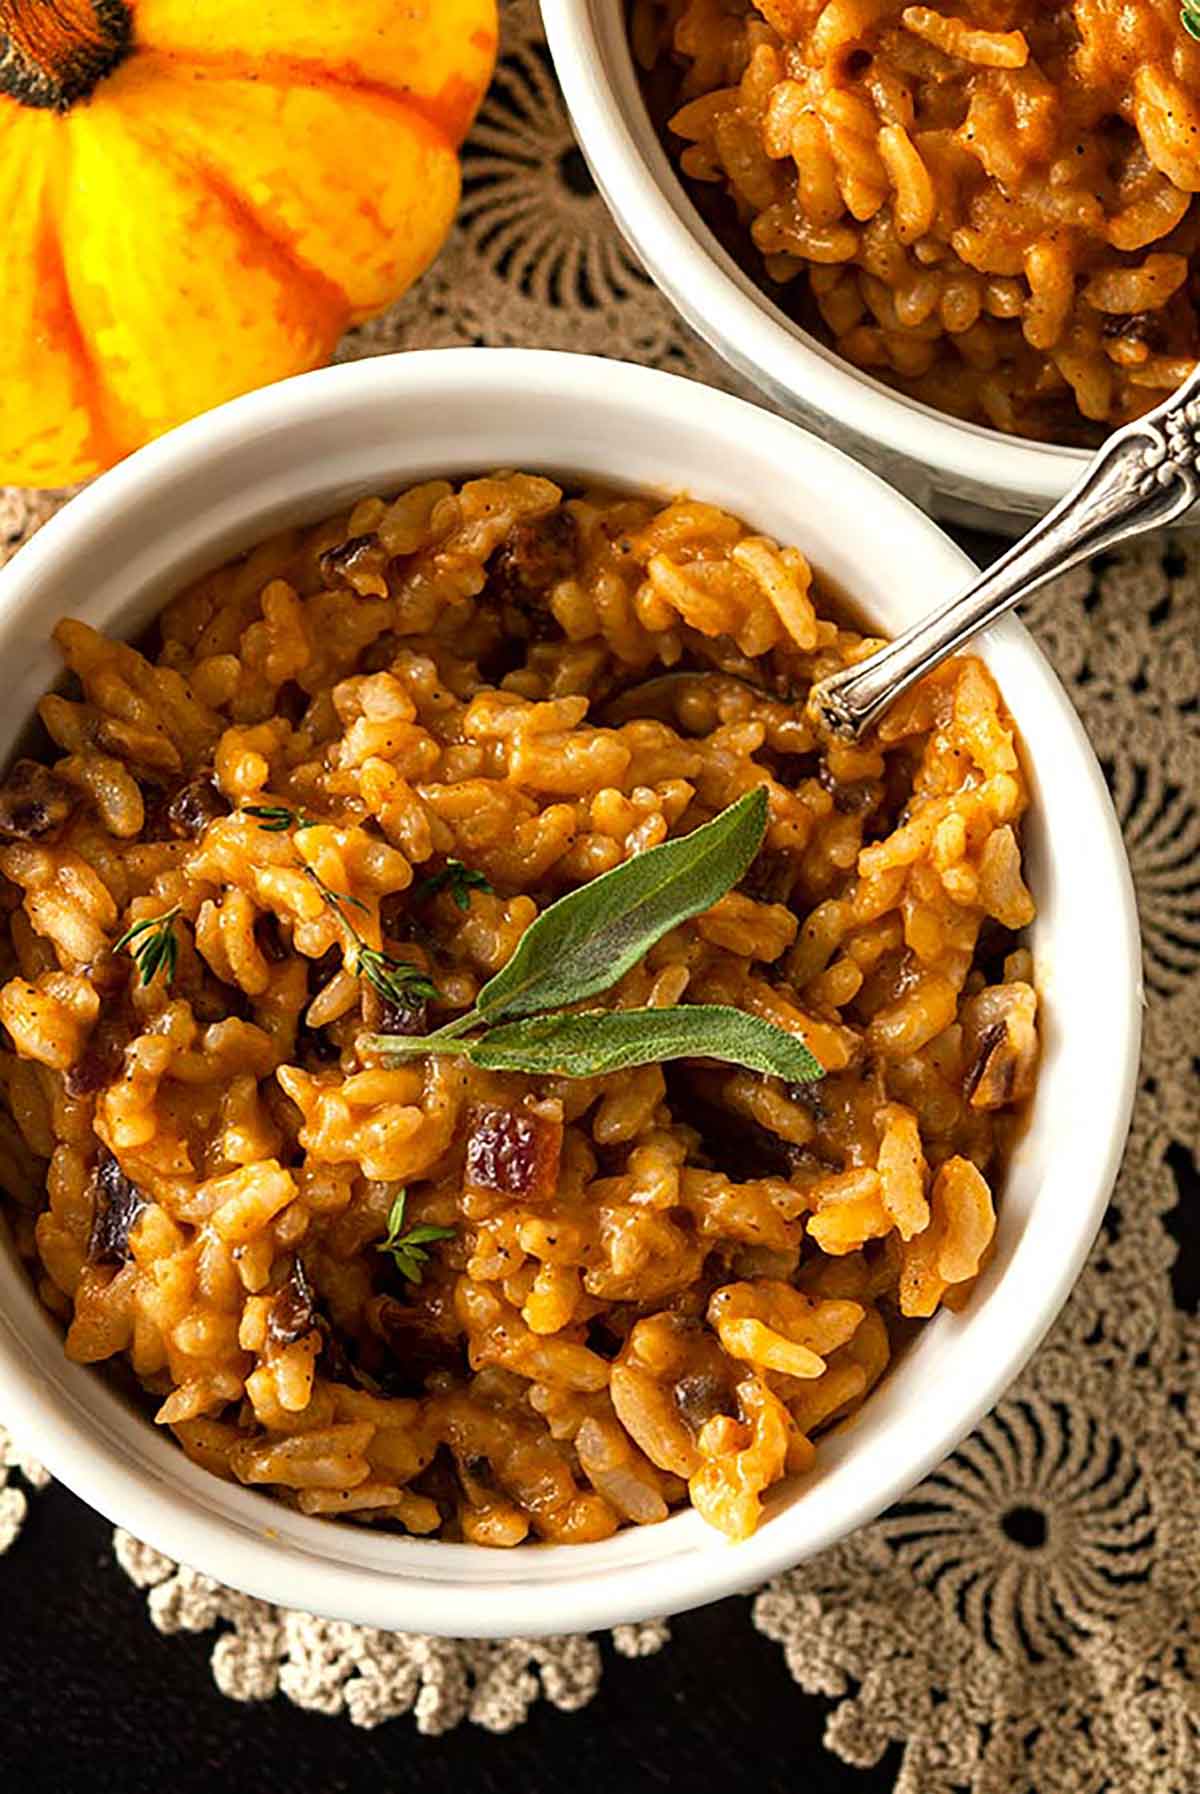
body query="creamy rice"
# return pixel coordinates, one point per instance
(987, 203)
(648, 1287)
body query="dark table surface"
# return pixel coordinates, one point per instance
(94, 1701)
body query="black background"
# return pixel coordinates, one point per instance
(94, 1701)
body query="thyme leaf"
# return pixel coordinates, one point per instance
(396, 980)
(276, 819)
(408, 1247)
(152, 945)
(458, 879)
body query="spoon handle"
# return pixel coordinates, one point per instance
(1145, 476)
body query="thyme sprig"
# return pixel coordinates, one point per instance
(152, 945)
(397, 981)
(336, 899)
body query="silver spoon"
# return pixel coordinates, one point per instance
(1144, 477)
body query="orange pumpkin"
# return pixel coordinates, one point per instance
(199, 196)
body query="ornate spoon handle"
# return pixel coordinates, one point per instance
(1144, 477)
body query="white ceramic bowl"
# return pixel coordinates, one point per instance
(955, 469)
(301, 449)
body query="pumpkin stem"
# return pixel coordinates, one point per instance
(53, 52)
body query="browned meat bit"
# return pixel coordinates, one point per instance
(514, 1151)
(268, 937)
(986, 1043)
(193, 807)
(1000, 1045)
(109, 973)
(293, 1309)
(118, 1203)
(332, 1360)
(699, 1396)
(156, 802)
(406, 1019)
(360, 563)
(419, 1340)
(771, 878)
(1147, 327)
(92, 1071)
(848, 800)
(34, 802)
(536, 555)
(382, 1016)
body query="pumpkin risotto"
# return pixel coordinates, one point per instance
(318, 812)
(989, 202)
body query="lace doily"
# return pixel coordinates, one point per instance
(1030, 1617)
(14, 1502)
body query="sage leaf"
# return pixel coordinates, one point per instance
(589, 939)
(591, 1042)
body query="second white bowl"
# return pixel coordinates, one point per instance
(954, 469)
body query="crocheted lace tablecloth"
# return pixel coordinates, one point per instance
(1030, 1617)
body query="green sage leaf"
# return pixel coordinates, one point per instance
(587, 1044)
(589, 939)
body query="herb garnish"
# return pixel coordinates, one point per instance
(585, 1043)
(276, 819)
(335, 899)
(408, 1249)
(398, 981)
(460, 880)
(1189, 17)
(589, 939)
(152, 945)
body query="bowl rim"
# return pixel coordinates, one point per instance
(73, 1418)
(725, 306)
